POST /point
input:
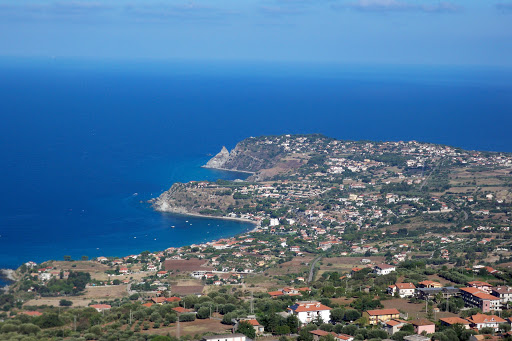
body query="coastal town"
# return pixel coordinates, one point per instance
(352, 240)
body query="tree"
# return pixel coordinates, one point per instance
(187, 317)
(399, 336)
(155, 316)
(282, 330)
(85, 258)
(487, 330)
(67, 258)
(351, 315)
(65, 303)
(29, 328)
(48, 320)
(203, 313)
(161, 338)
(293, 322)
(504, 327)
(247, 329)
(409, 328)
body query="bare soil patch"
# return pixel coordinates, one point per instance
(192, 328)
(187, 289)
(414, 310)
(184, 265)
(296, 265)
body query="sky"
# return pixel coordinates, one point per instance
(416, 32)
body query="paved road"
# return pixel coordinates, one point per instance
(312, 269)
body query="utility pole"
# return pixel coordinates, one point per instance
(178, 328)
(74, 322)
(130, 317)
(252, 303)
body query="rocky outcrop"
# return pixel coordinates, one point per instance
(246, 157)
(163, 202)
(218, 160)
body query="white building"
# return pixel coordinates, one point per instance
(403, 289)
(384, 269)
(503, 292)
(309, 311)
(480, 321)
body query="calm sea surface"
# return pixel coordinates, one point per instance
(84, 145)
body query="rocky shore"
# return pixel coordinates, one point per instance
(163, 206)
(9, 275)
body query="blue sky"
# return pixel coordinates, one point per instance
(452, 32)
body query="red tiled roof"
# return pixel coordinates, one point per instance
(405, 286)
(482, 318)
(31, 313)
(173, 299)
(378, 312)
(454, 320)
(180, 310)
(158, 299)
(253, 322)
(421, 322)
(100, 306)
(315, 306)
(479, 283)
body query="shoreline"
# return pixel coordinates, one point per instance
(228, 170)
(199, 215)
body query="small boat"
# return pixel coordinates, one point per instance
(173, 226)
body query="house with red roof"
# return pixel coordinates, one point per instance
(480, 321)
(474, 297)
(450, 321)
(483, 286)
(158, 300)
(172, 299)
(393, 326)
(504, 293)
(309, 311)
(402, 289)
(377, 316)
(318, 334)
(429, 284)
(258, 328)
(423, 325)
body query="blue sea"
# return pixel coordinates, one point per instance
(84, 144)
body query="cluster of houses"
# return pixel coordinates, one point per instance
(477, 294)
(391, 320)
(290, 291)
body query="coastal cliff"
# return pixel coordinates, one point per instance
(247, 156)
(218, 160)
